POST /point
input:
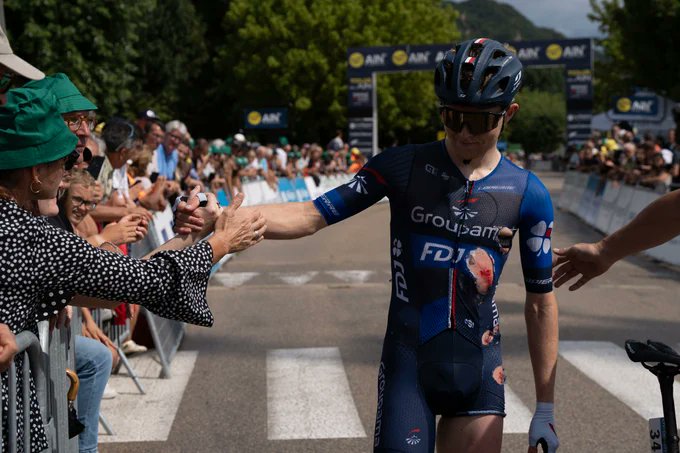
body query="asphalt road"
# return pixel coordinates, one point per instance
(225, 404)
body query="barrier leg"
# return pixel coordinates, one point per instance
(165, 364)
(130, 370)
(105, 425)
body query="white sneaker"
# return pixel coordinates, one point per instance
(109, 392)
(130, 347)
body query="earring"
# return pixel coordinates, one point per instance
(35, 191)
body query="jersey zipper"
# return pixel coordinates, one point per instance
(469, 185)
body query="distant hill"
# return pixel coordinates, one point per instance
(499, 21)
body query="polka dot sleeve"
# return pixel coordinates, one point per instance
(171, 284)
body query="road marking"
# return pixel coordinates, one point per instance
(135, 418)
(351, 276)
(608, 365)
(518, 416)
(234, 279)
(308, 396)
(295, 279)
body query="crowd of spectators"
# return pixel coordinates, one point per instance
(165, 159)
(621, 155)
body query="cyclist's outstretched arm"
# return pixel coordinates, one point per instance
(291, 220)
(657, 223)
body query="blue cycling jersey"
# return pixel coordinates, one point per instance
(447, 256)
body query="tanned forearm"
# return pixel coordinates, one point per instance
(657, 223)
(104, 213)
(540, 313)
(291, 220)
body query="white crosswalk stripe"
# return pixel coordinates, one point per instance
(295, 279)
(608, 365)
(351, 276)
(518, 416)
(308, 396)
(234, 279)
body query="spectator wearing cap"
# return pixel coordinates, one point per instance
(12, 66)
(78, 112)
(145, 117)
(358, 160)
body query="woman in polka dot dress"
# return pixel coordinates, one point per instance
(39, 262)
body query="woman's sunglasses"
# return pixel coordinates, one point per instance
(70, 160)
(477, 122)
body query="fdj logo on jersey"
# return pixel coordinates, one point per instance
(400, 287)
(540, 243)
(439, 253)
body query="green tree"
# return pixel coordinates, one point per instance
(641, 48)
(540, 123)
(125, 55)
(293, 53)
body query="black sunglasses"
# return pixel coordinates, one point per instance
(477, 122)
(70, 160)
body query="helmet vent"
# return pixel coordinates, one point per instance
(488, 75)
(448, 74)
(503, 84)
(498, 54)
(466, 75)
(475, 50)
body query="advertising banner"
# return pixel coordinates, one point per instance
(625, 106)
(362, 61)
(266, 118)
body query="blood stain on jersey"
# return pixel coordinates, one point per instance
(487, 338)
(480, 265)
(499, 375)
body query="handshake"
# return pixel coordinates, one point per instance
(235, 228)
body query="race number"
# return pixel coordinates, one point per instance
(657, 434)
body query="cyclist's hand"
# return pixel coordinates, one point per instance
(585, 259)
(542, 430)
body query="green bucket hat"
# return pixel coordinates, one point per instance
(32, 131)
(69, 97)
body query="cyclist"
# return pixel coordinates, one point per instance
(657, 223)
(455, 206)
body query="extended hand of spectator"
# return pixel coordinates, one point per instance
(8, 347)
(143, 212)
(240, 229)
(584, 259)
(190, 218)
(130, 228)
(154, 199)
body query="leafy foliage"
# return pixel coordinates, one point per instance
(293, 53)
(540, 123)
(125, 55)
(640, 48)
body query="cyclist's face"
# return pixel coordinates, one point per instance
(466, 140)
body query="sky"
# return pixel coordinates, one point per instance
(569, 17)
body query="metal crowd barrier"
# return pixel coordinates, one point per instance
(28, 346)
(608, 205)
